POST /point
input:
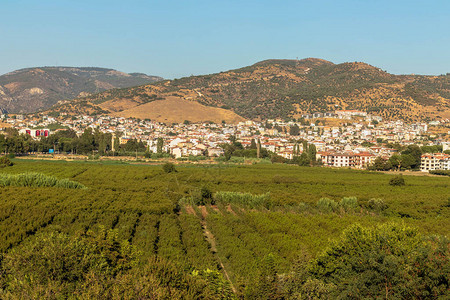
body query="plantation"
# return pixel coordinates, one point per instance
(219, 231)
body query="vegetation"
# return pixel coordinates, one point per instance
(387, 261)
(66, 141)
(243, 199)
(169, 168)
(299, 86)
(131, 234)
(397, 180)
(37, 180)
(440, 172)
(5, 162)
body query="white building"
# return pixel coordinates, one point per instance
(435, 161)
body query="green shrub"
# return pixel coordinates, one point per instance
(37, 180)
(440, 172)
(327, 205)
(206, 194)
(389, 259)
(376, 204)
(169, 168)
(349, 203)
(58, 264)
(397, 181)
(5, 162)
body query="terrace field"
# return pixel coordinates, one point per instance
(173, 220)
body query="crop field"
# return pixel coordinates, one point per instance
(187, 217)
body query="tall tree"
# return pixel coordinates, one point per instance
(159, 145)
(312, 153)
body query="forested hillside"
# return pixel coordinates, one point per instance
(289, 88)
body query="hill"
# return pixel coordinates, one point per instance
(176, 110)
(33, 89)
(289, 88)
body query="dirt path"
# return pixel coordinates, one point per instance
(212, 242)
(409, 173)
(190, 210)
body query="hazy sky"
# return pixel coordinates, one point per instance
(179, 38)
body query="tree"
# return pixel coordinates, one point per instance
(304, 160)
(258, 149)
(380, 164)
(294, 130)
(396, 160)
(159, 145)
(312, 153)
(390, 261)
(408, 161)
(415, 154)
(2, 143)
(87, 141)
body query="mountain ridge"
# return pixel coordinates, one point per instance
(279, 88)
(30, 89)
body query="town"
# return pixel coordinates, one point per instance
(345, 138)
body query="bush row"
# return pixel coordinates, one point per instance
(37, 180)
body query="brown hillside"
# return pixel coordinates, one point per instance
(280, 88)
(177, 110)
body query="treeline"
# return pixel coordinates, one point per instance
(66, 141)
(37, 180)
(304, 154)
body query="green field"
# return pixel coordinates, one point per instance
(156, 212)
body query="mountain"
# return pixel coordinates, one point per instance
(289, 88)
(33, 89)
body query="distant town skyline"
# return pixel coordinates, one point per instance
(174, 39)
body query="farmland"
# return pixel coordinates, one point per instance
(186, 223)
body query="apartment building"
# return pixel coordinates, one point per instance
(435, 161)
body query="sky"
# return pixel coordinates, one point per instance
(174, 39)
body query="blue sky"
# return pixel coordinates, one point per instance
(179, 38)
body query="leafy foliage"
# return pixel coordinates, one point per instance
(284, 88)
(169, 168)
(38, 180)
(327, 205)
(245, 199)
(397, 180)
(186, 251)
(5, 162)
(389, 261)
(440, 172)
